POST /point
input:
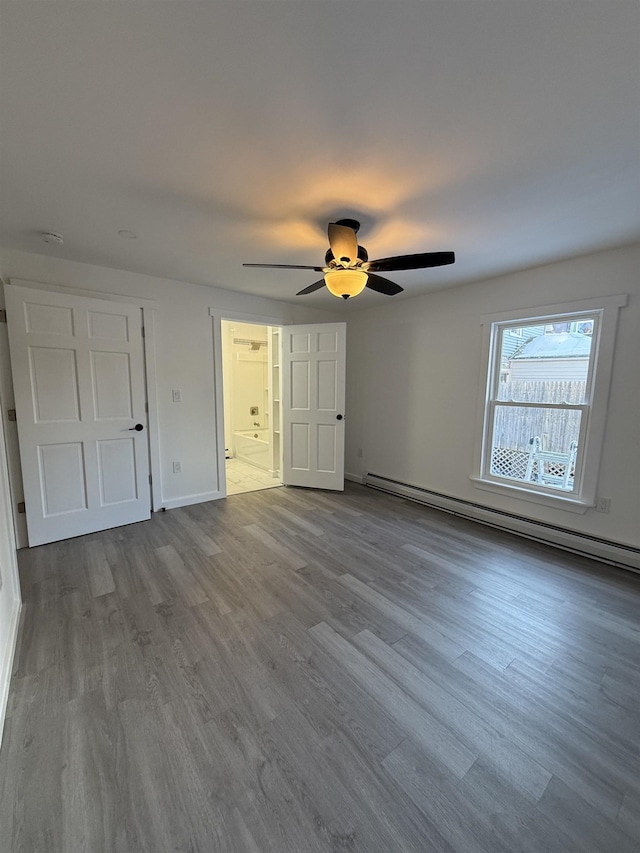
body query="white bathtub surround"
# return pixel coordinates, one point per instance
(242, 477)
(252, 446)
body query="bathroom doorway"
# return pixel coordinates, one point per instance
(251, 389)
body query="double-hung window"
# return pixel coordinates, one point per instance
(544, 408)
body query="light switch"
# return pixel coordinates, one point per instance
(176, 395)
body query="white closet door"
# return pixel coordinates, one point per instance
(313, 397)
(78, 373)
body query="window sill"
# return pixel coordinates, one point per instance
(570, 504)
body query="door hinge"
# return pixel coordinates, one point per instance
(142, 331)
(150, 479)
(146, 408)
(22, 507)
(11, 415)
(3, 315)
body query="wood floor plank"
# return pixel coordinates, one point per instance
(181, 578)
(540, 731)
(98, 569)
(271, 544)
(292, 671)
(518, 823)
(584, 824)
(277, 818)
(336, 814)
(406, 827)
(296, 519)
(434, 736)
(524, 773)
(345, 705)
(409, 620)
(435, 792)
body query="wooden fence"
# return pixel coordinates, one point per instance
(514, 427)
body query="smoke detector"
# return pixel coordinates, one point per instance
(51, 237)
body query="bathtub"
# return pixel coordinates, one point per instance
(252, 446)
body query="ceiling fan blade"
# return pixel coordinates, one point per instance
(311, 288)
(383, 285)
(412, 262)
(343, 242)
(283, 267)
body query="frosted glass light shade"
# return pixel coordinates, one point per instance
(345, 283)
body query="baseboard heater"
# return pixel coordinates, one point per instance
(624, 556)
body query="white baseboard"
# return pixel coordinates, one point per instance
(188, 500)
(6, 664)
(624, 556)
(353, 478)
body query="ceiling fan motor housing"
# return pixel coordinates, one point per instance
(349, 223)
(363, 256)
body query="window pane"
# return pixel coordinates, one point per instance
(535, 445)
(547, 363)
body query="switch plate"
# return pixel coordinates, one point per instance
(603, 504)
(176, 395)
(177, 467)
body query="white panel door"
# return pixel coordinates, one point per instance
(313, 396)
(77, 368)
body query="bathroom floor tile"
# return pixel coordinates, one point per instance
(242, 477)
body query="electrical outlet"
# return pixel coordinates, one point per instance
(603, 504)
(177, 467)
(176, 395)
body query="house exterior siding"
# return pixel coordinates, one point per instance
(551, 369)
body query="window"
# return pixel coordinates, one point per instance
(543, 413)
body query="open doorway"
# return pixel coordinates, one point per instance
(251, 388)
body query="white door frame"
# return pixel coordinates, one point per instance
(10, 597)
(148, 307)
(151, 388)
(217, 316)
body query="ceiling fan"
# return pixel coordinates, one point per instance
(348, 270)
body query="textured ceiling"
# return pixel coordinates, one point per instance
(224, 132)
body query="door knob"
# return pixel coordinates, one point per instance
(137, 428)
(338, 417)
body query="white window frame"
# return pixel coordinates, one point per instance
(594, 410)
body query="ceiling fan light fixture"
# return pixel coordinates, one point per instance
(348, 270)
(345, 283)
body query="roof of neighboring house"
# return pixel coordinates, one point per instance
(558, 345)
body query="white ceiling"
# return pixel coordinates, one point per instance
(223, 132)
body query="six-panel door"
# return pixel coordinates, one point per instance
(79, 386)
(313, 392)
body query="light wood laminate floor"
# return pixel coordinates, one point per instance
(290, 671)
